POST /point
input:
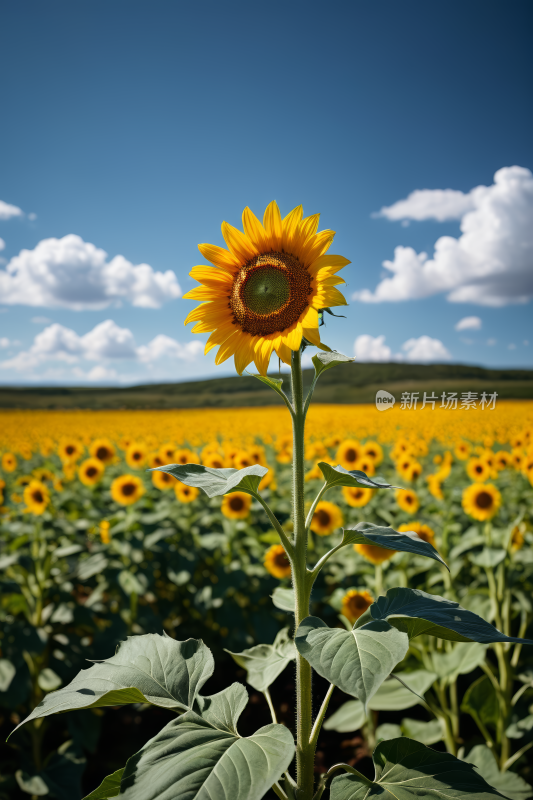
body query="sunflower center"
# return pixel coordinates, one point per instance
(236, 503)
(91, 472)
(102, 453)
(128, 489)
(38, 496)
(484, 500)
(282, 560)
(323, 517)
(269, 293)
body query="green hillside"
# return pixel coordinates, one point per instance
(350, 383)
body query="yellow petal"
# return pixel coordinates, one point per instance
(310, 318)
(241, 247)
(312, 335)
(204, 327)
(290, 227)
(335, 280)
(330, 296)
(262, 352)
(227, 349)
(330, 261)
(211, 276)
(219, 257)
(219, 336)
(273, 225)
(292, 337)
(317, 246)
(284, 353)
(208, 311)
(254, 231)
(245, 352)
(206, 293)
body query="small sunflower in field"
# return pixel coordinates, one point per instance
(36, 497)
(163, 480)
(127, 489)
(277, 562)
(257, 453)
(184, 456)
(327, 518)
(408, 500)
(136, 455)
(374, 451)
(91, 471)
(43, 475)
(103, 529)
(214, 461)
(349, 453)
(355, 603)
(47, 446)
(9, 462)
(357, 496)
(24, 480)
(517, 537)
(423, 532)
(103, 450)
(481, 501)
(185, 494)
(462, 451)
(69, 450)
(374, 553)
(154, 460)
(243, 459)
(166, 451)
(517, 458)
(502, 460)
(366, 465)
(236, 505)
(478, 470)
(264, 293)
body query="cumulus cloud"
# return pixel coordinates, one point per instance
(439, 204)
(71, 273)
(469, 323)
(370, 348)
(7, 211)
(425, 349)
(105, 342)
(490, 264)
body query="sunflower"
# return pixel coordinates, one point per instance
(284, 456)
(462, 451)
(517, 459)
(69, 450)
(214, 461)
(503, 460)
(517, 537)
(36, 497)
(277, 561)
(43, 475)
(9, 462)
(24, 480)
(477, 469)
(374, 553)
(424, 532)
(166, 451)
(184, 456)
(374, 451)
(264, 293)
(357, 496)
(185, 494)
(236, 505)
(103, 450)
(243, 459)
(127, 489)
(435, 486)
(257, 452)
(136, 455)
(327, 518)
(154, 460)
(163, 480)
(349, 453)
(91, 471)
(366, 465)
(407, 500)
(267, 481)
(411, 471)
(481, 501)
(355, 603)
(105, 536)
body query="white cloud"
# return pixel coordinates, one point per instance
(2, 244)
(71, 273)
(425, 349)
(490, 264)
(370, 348)
(40, 320)
(469, 323)
(98, 373)
(4, 342)
(105, 342)
(7, 211)
(439, 204)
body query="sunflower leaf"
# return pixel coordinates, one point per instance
(409, 542)
(416, 612)
(110, 787)
(264, 662)
(357, 661)
(407, 769)
(215, 482)
(274, 383)
(324, 361)
(338, 476)
(284, 599)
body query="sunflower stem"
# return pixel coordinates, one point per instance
(287, 544)
(302, 591)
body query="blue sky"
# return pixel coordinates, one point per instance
(139, 126)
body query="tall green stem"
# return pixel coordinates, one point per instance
(302, 591)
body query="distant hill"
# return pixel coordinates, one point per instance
(350, 383)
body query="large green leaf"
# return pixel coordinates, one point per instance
(481, 701)
(264, 662)
(193, 760)
(416, 612)
(425, 732)
(405, 769)
(408, 542)
(284, 599)
(145, 669)
(215, 482)
(508, 783)
(357, 661)
(338, 476)
(110, 787)
(349, 717)
(464, 658)
(324, 361)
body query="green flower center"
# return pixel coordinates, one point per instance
(266, 290)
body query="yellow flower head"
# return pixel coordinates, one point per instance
(25, 480)
(136, 455)
(349, 453)
(185, 494)
(43, 475)
(243, 459)
(477, 469)
(502, 460)
(91, 471)
(435, 486)
(105, 536)
(154, 460)
(236, 505)
(103, 450)
(69, 451)
(327, 518)
(264, 293)
(36, 497)
(127, 489)
(277, 561)
(184, 456)
(374, 553)
(481, 501)
(366, 465)
(166, 451)
(517, 537)
(357, 496)
(374, 451)
(424, 532)
(407, 500)
(9, 462)
(355, 603)
(163, 480)
(214, 461)
(462, 451)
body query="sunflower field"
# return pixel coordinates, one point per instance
(94, 548)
